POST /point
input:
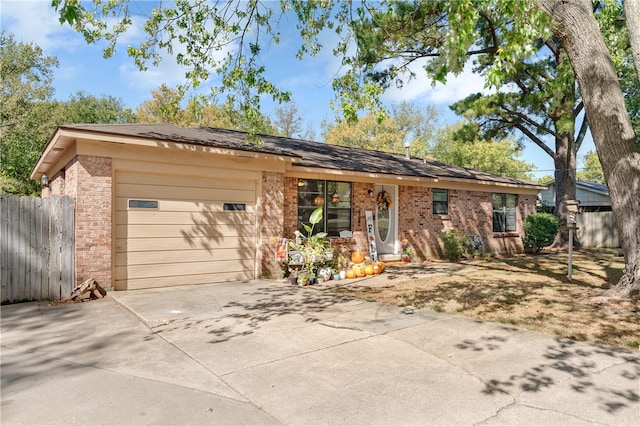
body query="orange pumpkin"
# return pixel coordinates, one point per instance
(360, 271)
(376, 269)
(357, 257)
(380, 266)
(351, 273)
(369, 269)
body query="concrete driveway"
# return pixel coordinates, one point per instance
(269, 353)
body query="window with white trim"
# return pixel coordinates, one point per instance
(335, 199)
(504, 212)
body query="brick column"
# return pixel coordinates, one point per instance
(272, 222)
(89, 181)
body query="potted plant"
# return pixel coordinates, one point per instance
(405, 255)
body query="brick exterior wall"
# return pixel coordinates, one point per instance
(469, 211)
(88, 180)
(272, 222)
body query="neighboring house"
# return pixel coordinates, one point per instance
(596, 223)
(159, 205)
(593, 197)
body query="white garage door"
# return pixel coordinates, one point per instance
(182, 230)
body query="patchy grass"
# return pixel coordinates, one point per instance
(530, 292)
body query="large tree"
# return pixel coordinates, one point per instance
(27, 111)
(577, 29)
(404, 128)
(501, 157)
(239, 30)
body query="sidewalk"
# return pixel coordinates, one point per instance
(269, 353)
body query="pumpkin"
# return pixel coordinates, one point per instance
(357, 257)
(376, 269)
(380, 266)
(360, 271)
(369, 269)
(351, 273)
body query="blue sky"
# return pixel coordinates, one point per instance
(82, 68)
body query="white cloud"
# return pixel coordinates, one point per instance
(420, 89)
(37, 22)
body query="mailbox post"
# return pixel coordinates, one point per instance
(572, 210)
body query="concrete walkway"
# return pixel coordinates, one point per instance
(270, 353)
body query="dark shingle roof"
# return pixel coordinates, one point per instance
(304, 153)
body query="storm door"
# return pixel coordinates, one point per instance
(386, 219)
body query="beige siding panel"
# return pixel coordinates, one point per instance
(170, 256)
(179, 269)
(214, 232)
(189, 238)
(182, 244)
(156, 217)
(184, 280)
(149, 192)
(207, 207)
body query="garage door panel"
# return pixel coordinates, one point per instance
(142, 283)
(170, 256)
(183, 206)
(189, 238)
(138, 217)
(238, 195)
(180, 244)
(214, 233)
(178, 269)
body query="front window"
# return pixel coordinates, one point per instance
(335, 199)
(440, 201)
(504, 212)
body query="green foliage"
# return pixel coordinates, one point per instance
(456, 244)
(499, 157)
(540, 230)
(85, 108)
(592, 169)
(27, 113)
(165, 106)
(405, 125)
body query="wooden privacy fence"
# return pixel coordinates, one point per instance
(36, 248)
(597, 229)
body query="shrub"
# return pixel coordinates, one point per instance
(539, 230)
(456, 244)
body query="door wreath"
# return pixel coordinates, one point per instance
(384, 200)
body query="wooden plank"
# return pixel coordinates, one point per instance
(4, 248)
(32, 283)
(41, 261)
(67, 246)
(55, 242)
(45, 248)
(15, 292)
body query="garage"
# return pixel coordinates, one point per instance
(173, 230)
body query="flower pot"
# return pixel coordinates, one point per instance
(343, 275)
(336, 277)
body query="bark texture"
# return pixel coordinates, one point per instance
(613, 135)
(632, 16)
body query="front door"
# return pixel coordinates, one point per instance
(386, 219)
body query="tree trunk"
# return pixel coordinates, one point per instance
(632, 15)
(565, 184)
(610, 125)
